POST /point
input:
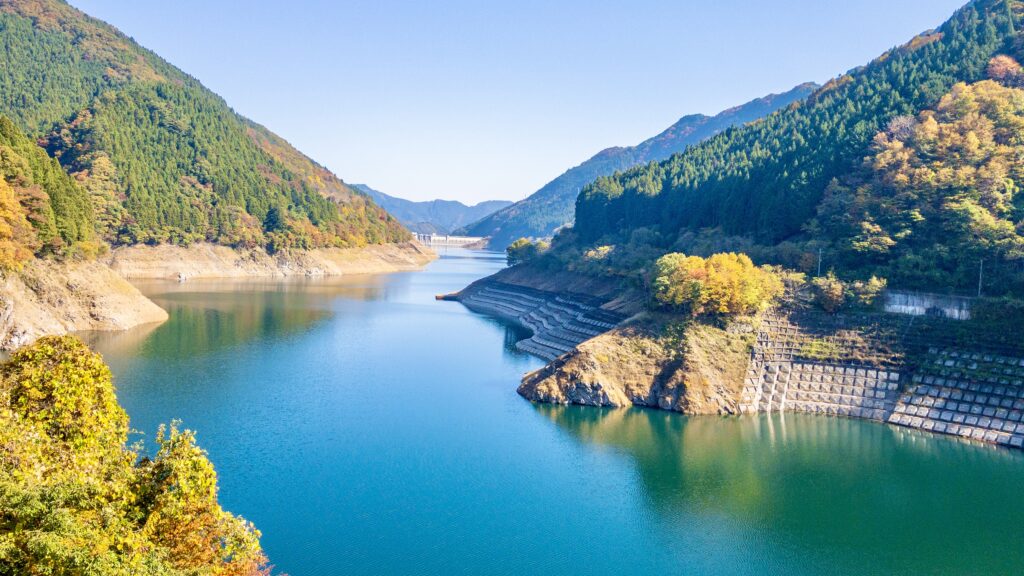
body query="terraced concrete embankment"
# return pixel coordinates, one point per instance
(559, 321)
(904, 371)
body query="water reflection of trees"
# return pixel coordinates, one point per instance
(837, 486)
(209, 316)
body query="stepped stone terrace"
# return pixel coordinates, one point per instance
(559, 321)
(929, 374)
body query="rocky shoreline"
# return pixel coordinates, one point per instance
(51, 298)
(55, 298)
(213, 261)
(902, 370)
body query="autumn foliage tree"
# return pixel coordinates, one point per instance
(939, 192)
(16, 237)
(724, 284)
(75, 500)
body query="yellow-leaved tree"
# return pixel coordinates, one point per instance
(75, 500)
(723, 284)
(16, 235)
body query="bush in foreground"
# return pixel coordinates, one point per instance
(75, 500)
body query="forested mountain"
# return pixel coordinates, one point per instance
(906, 167)
(42, 209)
(432, 216)
(165, 159)
(552, 206)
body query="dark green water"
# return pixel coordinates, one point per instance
(368, 429)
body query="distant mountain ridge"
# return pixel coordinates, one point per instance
(432, 216)
(552, 206)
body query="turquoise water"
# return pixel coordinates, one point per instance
(368, 429)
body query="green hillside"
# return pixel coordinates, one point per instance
(165, 159)
(43, 211)
(551, 207)
(768, 188)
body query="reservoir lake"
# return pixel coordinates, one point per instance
(366, 428)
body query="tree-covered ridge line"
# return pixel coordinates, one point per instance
(76, 499)
(906, 169)
(165, 159)
(764, 180)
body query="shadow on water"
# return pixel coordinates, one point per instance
(832, 488)
(513, 334)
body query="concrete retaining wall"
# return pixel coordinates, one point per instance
(952, 390)
(921, 304)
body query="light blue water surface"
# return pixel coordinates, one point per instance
(368, 429)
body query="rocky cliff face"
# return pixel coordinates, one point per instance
(652, 362)
(56, 298)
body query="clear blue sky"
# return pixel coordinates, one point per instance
(474, 100)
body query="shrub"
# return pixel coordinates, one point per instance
(523, 250)
(865, 292)
(832, 294)
(829, 292)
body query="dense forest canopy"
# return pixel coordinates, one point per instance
(163, 158)
(42, 209)
(938, 195)
(823, 178)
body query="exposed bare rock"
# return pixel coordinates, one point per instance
(56, 298)
(681, 366)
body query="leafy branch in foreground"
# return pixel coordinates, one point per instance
(74, 499)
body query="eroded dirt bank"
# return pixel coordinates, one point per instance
(47, 298)
(653, 362)
(211, 261)
(52, 298)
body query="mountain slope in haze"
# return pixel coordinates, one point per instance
(432, 216)
(165, 159)
(899, 168)
(552, 206)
